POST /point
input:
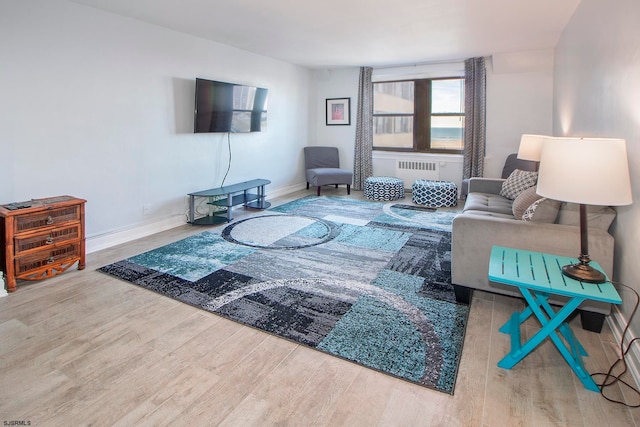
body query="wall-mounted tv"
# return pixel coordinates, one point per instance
(229, 107)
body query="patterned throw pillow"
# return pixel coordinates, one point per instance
(542, 210)
(523, 201)
(517, 182)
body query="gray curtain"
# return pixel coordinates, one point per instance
(362, 159)
(475, 117)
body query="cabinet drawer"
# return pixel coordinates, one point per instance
(48, 238)
(41, 259)
(46, 218)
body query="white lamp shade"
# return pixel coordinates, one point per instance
(531, 147)
(590, 171)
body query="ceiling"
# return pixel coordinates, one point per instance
(341, 33)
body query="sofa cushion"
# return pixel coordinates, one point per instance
(490, 203)
(517, 182)
(523, 201)
(490, 214)
(542, 210)
(597, 216)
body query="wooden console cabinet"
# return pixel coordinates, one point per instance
(41, 238)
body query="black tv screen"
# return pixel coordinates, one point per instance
(229, 107)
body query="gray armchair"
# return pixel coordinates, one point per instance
(322, 165)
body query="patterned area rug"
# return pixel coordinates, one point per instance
(365, 281)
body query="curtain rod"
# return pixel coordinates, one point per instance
(418, 64)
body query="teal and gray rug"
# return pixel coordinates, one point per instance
(366, 281)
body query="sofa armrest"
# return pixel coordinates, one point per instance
(485, 185)
(474, 235)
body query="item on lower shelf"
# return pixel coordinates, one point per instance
(233, 195)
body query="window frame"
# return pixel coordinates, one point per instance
(421, 108)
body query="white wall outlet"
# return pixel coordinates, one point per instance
(146, 209)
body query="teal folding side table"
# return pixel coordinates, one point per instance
(538, 276)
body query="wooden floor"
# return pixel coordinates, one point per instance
(87, 349)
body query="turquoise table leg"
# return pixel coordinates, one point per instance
(551, 322)
(522, 316)
(549, 327)
(565, 330)
(572, 354)
(574, 359)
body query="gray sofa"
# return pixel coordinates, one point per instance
(488, 219)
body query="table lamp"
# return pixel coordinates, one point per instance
(586, 171)
(531, 146)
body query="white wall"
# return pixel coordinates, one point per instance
(101, 107)
(336, 83)
(519, 100)
(597, 93)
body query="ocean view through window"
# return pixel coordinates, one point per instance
(423, 115)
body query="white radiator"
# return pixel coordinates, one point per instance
(411, 170)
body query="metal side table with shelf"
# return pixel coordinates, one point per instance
(232, 195)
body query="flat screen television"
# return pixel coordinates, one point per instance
(229, 107)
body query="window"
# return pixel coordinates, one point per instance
(425, 115)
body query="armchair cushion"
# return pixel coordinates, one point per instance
(324, 176)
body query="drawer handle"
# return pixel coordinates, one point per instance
(49, 220)
(49, 240)
(51, 260)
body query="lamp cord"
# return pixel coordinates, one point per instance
(213, 198)
(611, 379)
(229, 163)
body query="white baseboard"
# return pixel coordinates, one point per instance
(617, 323)
(286, 190)
(104, 241)
(107, 240)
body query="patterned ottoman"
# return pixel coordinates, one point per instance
(436, 194)
(383, 188)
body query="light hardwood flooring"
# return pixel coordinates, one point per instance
(84, 348)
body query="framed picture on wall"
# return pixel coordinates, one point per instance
(338, 111)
